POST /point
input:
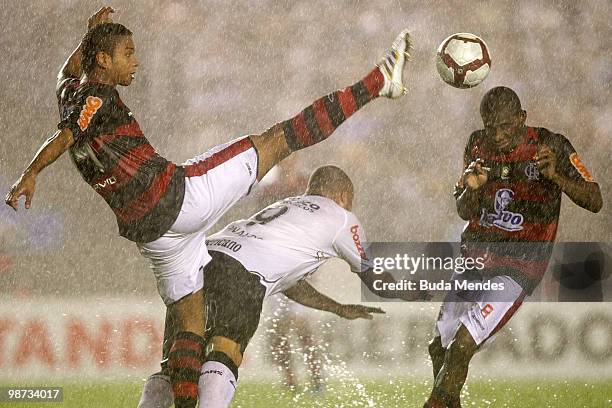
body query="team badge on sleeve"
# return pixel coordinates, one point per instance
(575, 160)
(92, 104)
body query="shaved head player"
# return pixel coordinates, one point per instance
(274, 251)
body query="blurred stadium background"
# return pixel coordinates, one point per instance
(76, 300)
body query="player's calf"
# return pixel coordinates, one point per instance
(436, 353)
(452, 375)
(186, 353)
(184, 364)
(219, 377)
(319, 120)
(442, 401)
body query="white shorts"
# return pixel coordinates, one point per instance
(482, 315)
(214, 182)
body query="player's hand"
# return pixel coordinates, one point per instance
(100, 17)
(23, 187)
(475, 175)
(546, 160)
(353, 312)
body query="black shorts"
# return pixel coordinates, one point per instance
(234, 298)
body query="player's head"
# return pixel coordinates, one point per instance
(332, 182)
(503, 117)
(108, 51)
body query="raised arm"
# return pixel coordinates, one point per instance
(72, 66)
(467, 190)
(53, 148)
(305, 294)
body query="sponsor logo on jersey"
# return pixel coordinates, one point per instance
(108, 182)
(224, 243)
(303, 204)
(575, 160)
(92, 104)
(505, 172)
(235, 229)
(212, 372)
(486, 310)
(532, 172)
(357, 241)
(502, 218)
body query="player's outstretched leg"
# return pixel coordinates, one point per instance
(450, 379)
(319, 120)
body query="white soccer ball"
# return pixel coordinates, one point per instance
(463, 60)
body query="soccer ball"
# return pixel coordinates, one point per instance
(463, 60)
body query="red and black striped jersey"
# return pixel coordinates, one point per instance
(144, 190)
(518, 209)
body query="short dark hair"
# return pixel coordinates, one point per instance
(499, 99)
(327, 180)
(101, 38)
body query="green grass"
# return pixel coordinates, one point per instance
(402, 393)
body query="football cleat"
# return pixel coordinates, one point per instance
(392, 66)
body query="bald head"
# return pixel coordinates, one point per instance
(332, 182)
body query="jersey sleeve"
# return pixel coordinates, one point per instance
(85, 116)
(64, 86)
(569, 163)
(351, 245)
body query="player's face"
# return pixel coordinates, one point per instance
(504, 129)
(124, 62)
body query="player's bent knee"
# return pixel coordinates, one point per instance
(461, 349)
(271, 148)
(226, 346)
(464, 340)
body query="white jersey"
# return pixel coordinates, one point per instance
(290, 239)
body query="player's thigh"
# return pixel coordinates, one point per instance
(487, 315)
(177, 261)
(229, 347)
(448, 321)
(234, 300)
(271, 148)
(214, 182)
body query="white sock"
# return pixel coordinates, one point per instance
(157, 392)
(216, 386)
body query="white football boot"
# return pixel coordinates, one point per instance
(392, 66)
